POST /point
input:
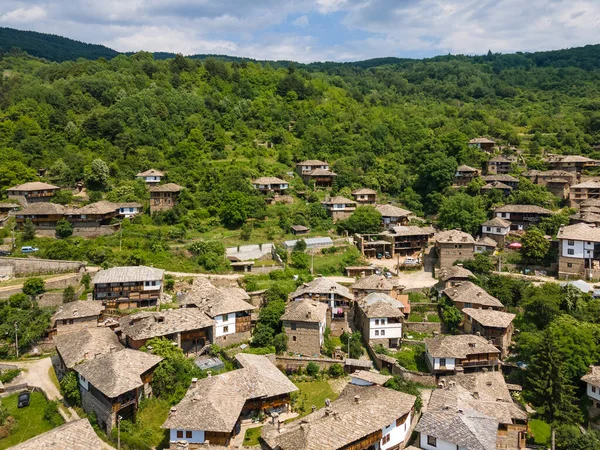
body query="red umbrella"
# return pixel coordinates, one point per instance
(515, 245)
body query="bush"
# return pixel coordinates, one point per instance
(86, 280)
(300, 260)
(336, 370)
(28, 230)
(312, 369)
(51, 414)
(34, 286)
(69, 387)
(63, 229)
(6, 376)
(69, 294)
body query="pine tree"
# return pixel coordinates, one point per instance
(552, 390)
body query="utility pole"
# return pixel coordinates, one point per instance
(17, 339)
(120, 236)
(312, 262)
(119, 432)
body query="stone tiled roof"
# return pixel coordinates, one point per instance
(338, 200)
(575, 158)
(378, 304)
(496, 222)
(454, 237)
(465, 168)
(215, 403)
(305, 311)
(312, 162)
(33, 186)
(486, 241)
(97, 208)
(373, 282)
(530, 209)
(467, 292)
(5, 205)
(146, 325)
(364, 191)
(490, 317)
(269, 180)
(593, 376)
(499, 159)
(458, 346)
(357, 413)
(371, 376)
(321, 172)
(75, 435)
(455, 272)
(151, 173)
(591, 202)
(78, 309)
(481, 140)
(168, 187)
(591, 184)
(410, 230)
(128, 274)
(495, 185)
(37, 208)
(503, 178)
(88, 343)
(119, 372)
(392, 211)
(467, 429)
(216, 301)
(579, 232)
(321, 286)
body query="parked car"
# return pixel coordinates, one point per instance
(387, 255)
(379, 256)
(29, 249)
(23, 400)
(388, 274)
(4, 253)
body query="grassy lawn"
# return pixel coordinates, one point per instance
(146, 432)
(540, 431)
(412, 357)
(415, 317)
(312, 393)
(417, 336)
(29, 421)
(251, 436)
(53, 378)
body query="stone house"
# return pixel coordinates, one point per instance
(496, 229)
(578, 251)
(375, 284)
(556, 181)
(485, 244)
(151, 177)
(42, 215)
(229, 308)
(498, 165)
(316, 171)
(190, 328)
(468, 295)
(75, 316)
(482, 143)
(380, 319)
(508, 180)
(298, 230)
(339, 208)
(458, 353)
(570, 163)
(365, 196)
(338, 299)
(496, 185)
(7, 208)
(128, 209)
(363, 417)
(128, 287)
(592, 390)
(495, 326)
(522, 217)
(164, 197)
(406, 240)
(464, 175)
(455, 275)
(304, 324)
(584, 191)
(33, 192)
(214, 407)
(270, 184)
(393, 216)
(78, 346)
(452, 246)
(113, 384)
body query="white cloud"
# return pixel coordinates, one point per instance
(301, 21)
(23, 15)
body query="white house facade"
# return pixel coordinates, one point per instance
(427, 442)
(395, 434)
(441, 363)
(382, 327)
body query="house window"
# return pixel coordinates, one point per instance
(431, 441)
(188, 434)
(293, 326)
(179, 434)
(570, 251)
(570, 242)
(225, 317)
(498, 230)
(569, 264)
(376, 332)
(383, 332)
(442, 362)
(594, 389)
(468, 305)
(294, 338)
(488, 228)
(225, 329)
(385, 439)
(376, 321)
(382, 321)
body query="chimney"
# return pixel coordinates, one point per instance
(357, 399)
(194, 382)
(209, 373)
(476, 395)
(362, 274)
(460, 411)
(313, 408)
(209, 308)
(472, 344)
(478, 333)
(173, 411)
(479, 294)
(279, 425)
(328, 411)
(308, 314)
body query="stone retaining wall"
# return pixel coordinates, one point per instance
(72, 280)
(422, 327)
(293, 363)
(389, 363)
(27, 267)
(49, 299)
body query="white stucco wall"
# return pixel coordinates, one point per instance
(83, 382)
(397, 433)
(594, 395)
(197, 436)
(392, 330)
(221, 324)
(440, 445)
(148, 285)
(435, 362)
(581, 249)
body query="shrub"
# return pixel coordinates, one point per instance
(336, 370)
(69, 294)
(312, 369)
(34, 286)
(63, 229)
(6, 376)
(51, 413)
(69, 386)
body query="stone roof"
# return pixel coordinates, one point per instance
(591, 184)
(591, 202)
(499, 159)
(75, 435)
(88, 343)
(574, 158)
(216, 301)
(168, 187)
(490, 317)
(467, 292)
(338, 200)
(78, 309)
(587, 217)
(371, 376)
(117, 372)
(455, 272)
(549, 173)
(312, 162)
(321, 286)
(593, 376)
(151, 173)
(364, 191)
(392, 211)
(37, 208)
(128, 274)
(454, 237)
(33, 186)
(481, 140)
(486, 392)
(4, 205)
(357, 413)
(299, 228)
(97, 208)
(467, 429)
(465, 168)
(215, 403)
(531, 209)
(269, 180)
(321, 172)
(503, 178)
(378, 304)
(495, 185)
(305, 311)
(579, 232)
(458, 346)
(486, 241)
(410, 230)
(147, 325)
(373, 283)
(496, 222)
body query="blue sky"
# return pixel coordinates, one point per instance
(314, 30)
